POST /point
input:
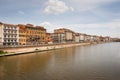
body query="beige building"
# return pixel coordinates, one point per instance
(76, 37)
(1, 31)
(67, 34)
(87, 38)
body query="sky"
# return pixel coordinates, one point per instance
(94, 17)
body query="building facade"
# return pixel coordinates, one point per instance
(1, 34)
(22, 34)
(35, 35)
(64, 34)
(76, 37)
(9, 34)
(49, 38)
(59, 38)
(13, 35)
(82, 37)
(107, 39)
(87, 38)
(31, 35)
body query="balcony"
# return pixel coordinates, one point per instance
(10, 29)
(10, 33)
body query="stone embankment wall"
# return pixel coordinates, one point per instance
(16, 51)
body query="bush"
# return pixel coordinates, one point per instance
(2, 52)
(36, 49)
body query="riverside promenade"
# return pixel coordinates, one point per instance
(30, 49)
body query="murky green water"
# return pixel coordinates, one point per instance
(91, 62)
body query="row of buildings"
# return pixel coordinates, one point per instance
(14, 35)
(63, 35)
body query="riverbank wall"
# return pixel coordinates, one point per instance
(25, 50)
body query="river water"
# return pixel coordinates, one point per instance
(90, 62)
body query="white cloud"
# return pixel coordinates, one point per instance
(57, 7)
(85, 5)
(21, 12)
(71, 8)
(48, 26)
(105, 29)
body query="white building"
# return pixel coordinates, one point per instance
(8, 34)
(107, 39)
(59, 37)
(1, 34)
(82, 37)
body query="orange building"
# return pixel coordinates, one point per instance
(31, 35)
(22, 34)
(35, 35)
(49, 38)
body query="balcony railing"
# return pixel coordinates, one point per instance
(10, 33)
(10, 29)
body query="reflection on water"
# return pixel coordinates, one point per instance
(92, 62)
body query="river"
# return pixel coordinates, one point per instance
(90, 62)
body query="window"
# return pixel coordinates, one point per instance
(5, 36)
(15, 27)
(5, 27)
(4, 40)
(8, 27)
(4, 31)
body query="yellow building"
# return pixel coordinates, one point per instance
(31, 35)
(41, 32)
(22, 34)
(35, 35)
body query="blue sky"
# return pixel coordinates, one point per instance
(95, 17)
